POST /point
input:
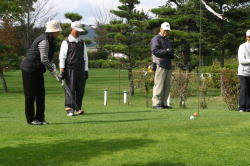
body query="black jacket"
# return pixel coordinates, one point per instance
(32, 61)
(161, 50)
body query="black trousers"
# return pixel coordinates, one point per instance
(33, 85)
(244, 99)
(75, 80)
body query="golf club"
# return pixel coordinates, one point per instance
(68, 91)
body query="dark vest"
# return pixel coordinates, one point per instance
(75, 55)
(32, 61)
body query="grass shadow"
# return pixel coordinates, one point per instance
(127, 112)
(72, 151)
(103, 121)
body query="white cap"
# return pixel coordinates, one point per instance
(53, 26)
(165, 26)
(248, 33)
(77, 26)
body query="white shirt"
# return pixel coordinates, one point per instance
(64, 50)
(244, 59)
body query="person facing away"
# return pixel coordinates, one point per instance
(244, 74)
(73, 62)
(37, 59)
(162, 54)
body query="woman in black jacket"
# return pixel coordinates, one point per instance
(37, 59)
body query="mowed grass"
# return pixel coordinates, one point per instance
(119, 135)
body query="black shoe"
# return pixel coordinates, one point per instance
(167, 107)
(157, 107)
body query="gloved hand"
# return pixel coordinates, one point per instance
(170, 53)
(61, 75)
(86, 75)
(54, 72)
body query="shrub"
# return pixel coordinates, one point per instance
(96, 55)
(230, 88)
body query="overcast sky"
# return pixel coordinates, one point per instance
(88, 8)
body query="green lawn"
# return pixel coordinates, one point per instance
(119, 135)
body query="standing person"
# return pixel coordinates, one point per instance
(73, 62)
(37, 59)
(244, 74)
(162, 54)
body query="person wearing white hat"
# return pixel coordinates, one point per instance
(37, 59)
(162, 54)
(244, 74)
(73, 63)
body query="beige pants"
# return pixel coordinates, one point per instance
(161, 87)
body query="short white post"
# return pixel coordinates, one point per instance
(168, 100)
(124, 96)
(105, 97)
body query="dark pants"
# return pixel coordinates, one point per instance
(244, 100)
(75, 80)
(33, 85)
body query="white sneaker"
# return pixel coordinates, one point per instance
(36, 122)
(70, 113)
(241, 111)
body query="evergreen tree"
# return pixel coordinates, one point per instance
(128, 36)
(218, 37)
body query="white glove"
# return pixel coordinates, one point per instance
(54, 72)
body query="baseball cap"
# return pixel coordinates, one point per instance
(77, 26)
(248, 33)
(165, 26)
(53, 26)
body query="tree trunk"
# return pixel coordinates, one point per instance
(5, 88)
(131, 81)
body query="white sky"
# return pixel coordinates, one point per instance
(88, 8)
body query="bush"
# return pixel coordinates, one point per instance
(98, 55)
(104, 64)
(230, 88)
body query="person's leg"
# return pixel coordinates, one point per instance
(69, 81)
(248, 94)
(40, 98)
(243, 93)
(167, 86)
(29, 93)
(80, 86)
(160, 76)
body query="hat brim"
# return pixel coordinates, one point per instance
(79, 29)
(166, 29)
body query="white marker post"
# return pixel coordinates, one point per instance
(168, 101)
(105, 97)
(125, 97)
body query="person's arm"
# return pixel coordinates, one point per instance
(241, 56)
(63, 55)
(157, 50)
(43, 47)
(86, 59)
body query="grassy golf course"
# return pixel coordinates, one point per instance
(119, 135)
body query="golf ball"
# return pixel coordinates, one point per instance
(191, 117)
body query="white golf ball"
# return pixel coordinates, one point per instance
(191, 117)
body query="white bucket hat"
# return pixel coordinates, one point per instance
(77, 26)
(248, 33)
(165, 26)
(53, 26)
